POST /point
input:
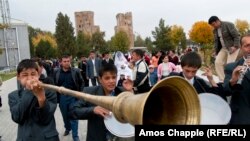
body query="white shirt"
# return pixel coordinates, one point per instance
(221, 37)
(93, 61)
(191, 81)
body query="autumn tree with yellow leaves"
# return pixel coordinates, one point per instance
(44, 42)
(45, 37)
(178, 37)
(242, 26)
(202, 33)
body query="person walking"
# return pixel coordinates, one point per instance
(92, 69)
(68, 77)
(140, 72)
(82, 65)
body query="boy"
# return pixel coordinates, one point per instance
(190, 64)
(32, 107)
(95, 114)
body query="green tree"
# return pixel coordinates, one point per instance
(32, 33)
(42, 49)
(97, 41)
(162, 37)
(36, 35)
(83, 44)
(149, 44)
(109, 46)
(120, 42)
(139, 42)
(65, 35)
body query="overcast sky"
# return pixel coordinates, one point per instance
(146, 13)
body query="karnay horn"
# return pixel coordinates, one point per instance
(171, 101)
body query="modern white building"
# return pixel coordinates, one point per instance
(14, 42)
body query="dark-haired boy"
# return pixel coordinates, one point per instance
(32, 107)
(190, 64)
(95, 114)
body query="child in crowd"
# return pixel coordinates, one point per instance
(32, 107)
(191, 63)
(96, 130)
(153, 75)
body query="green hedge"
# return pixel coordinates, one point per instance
(7, 76)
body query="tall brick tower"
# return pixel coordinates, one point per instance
(125, 24)
(84, 21)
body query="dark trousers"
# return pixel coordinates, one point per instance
(86, 81)
(68, 123)
(94, 81)
(0, 101)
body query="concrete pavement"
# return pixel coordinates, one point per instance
(8, 128)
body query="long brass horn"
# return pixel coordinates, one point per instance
(171, 101)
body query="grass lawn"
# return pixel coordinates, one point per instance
(8, 75)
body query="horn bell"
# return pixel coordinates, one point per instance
(172, 100)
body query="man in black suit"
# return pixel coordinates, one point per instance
(106, 59)
(82, 65)
(237, 82)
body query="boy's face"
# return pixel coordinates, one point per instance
(135, 57)
(189, 72)
(26, 75)
(106, 56)
(108, 81)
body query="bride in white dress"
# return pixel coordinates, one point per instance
(122, 64)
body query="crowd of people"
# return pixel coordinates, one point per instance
(32, 107)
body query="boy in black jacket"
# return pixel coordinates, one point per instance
(190, 64)
(95, 114)
(32, 107)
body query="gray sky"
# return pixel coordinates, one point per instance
(146, 13)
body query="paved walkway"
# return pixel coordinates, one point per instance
(8, 128)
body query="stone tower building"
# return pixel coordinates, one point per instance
(125, 23)
(84, 21)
